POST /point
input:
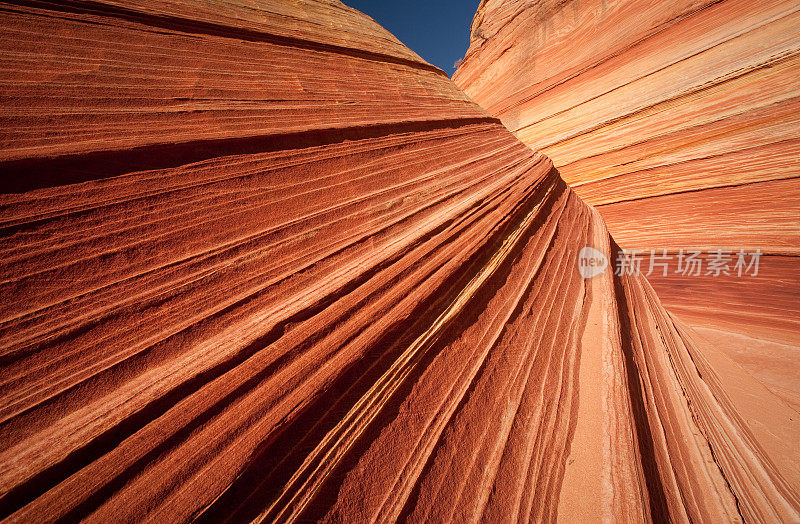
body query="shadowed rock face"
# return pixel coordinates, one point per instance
(261, 262)
(678, 120)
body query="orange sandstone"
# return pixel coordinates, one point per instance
(261, 262)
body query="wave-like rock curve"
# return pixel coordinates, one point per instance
(260, 262)
(678, 121)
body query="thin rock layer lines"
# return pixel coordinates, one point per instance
(262, 263)
(679, 121)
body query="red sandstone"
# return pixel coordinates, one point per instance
(267, 264)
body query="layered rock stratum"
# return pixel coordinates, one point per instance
(678, 121)
(260, 262)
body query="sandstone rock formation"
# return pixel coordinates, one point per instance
(261, 262)
(678, 120)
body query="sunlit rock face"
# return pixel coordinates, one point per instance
(678, 120)
(261, 262)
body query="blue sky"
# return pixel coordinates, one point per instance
(437, 30)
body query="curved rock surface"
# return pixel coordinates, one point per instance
(678, 120)
(260, 262)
